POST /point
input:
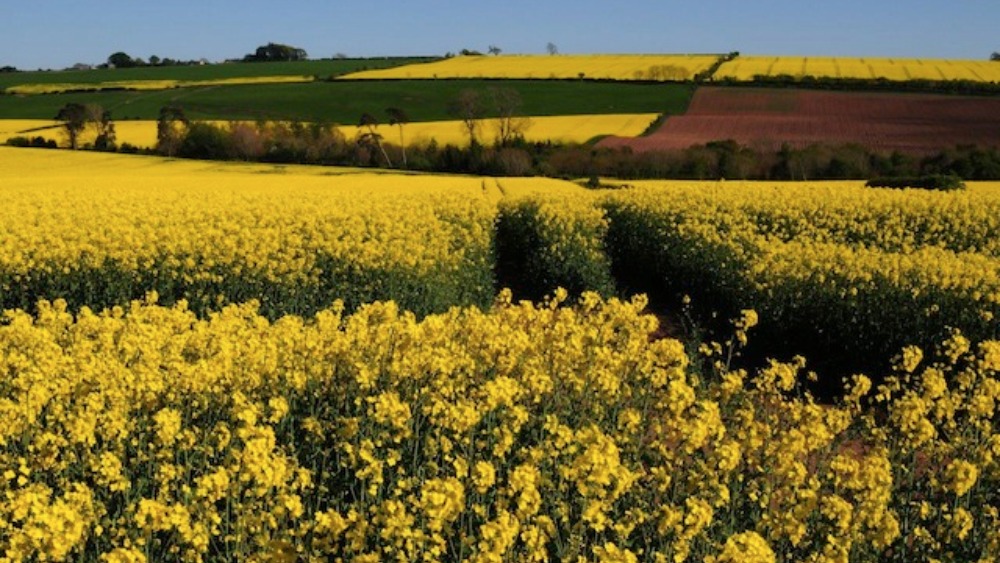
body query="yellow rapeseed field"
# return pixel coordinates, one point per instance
(184, 418)
(747, 67)
(610, 67)
(563, 129)
(83, 225)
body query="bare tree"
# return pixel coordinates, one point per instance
(551, 48)
(494, 50)
(372, 137)
(398, 117)
(469, 108)
(510, 123)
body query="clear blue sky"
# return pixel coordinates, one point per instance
(59, 33)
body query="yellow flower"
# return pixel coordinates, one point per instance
(960, 476)
(909, 359)
(960, 523)
(611, 553)
(442, 501)
(483, 476)
(168, 425)
(123, 555)
(746, 547)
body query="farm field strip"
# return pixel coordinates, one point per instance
(768, 117)
(200, 72)
(600, 67)
(182, 418)
(58, 88)
(745, 68)
(344, 102)
(564, 129)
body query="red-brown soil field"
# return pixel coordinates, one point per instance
(765, 118)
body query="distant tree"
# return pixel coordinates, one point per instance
(74, 117)
(154, 60)
(372, 137)
(494, 50)
(7, 68)
(77, 117)
(276, 52)
(551, 48)
(101, 119)
(399, 117)
(171, 127)
(995, 56)
(470, 53)
(510, 124)
(469, 108)
(206, 141)
(120, 60)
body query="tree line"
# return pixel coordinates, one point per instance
(501, 149)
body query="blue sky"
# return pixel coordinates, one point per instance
(59, 33)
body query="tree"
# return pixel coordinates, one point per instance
(551, 48)
(276, 52)
(77, 117)
(510, 124)
(206, 141)
(399, 117)
(154, 60)
(171, 128)
(494, 50)
(120, 60)
(74, 118)
(468, 107)
(995, 56)
(101, 118)
(372, 137)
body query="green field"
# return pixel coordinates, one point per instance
(345, 101)
(322, 68)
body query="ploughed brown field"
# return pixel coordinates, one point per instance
(765, 118)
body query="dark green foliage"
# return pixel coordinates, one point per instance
(938, 182)
(33, 142)
(273, 52)
(121, 60)
(205, 141)
(535, 254)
